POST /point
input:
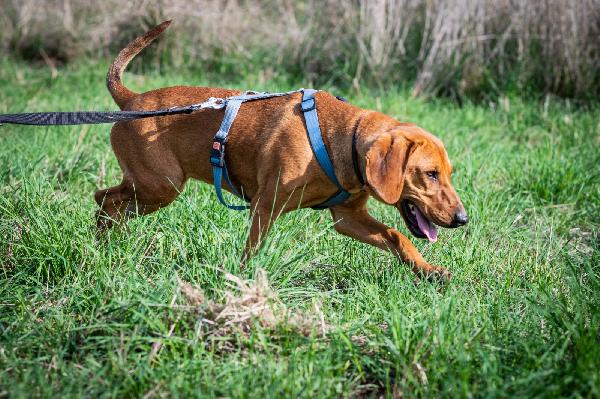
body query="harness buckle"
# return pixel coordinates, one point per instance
(217, 153)
(308, 104)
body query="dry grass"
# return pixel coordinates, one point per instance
(246, 303)
(456, 46)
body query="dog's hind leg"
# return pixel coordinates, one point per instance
(112, 202)
(129, 199)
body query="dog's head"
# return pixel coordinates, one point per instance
(409, 168)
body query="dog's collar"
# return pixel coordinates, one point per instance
(355, 163)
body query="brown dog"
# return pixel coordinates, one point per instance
(269, 156)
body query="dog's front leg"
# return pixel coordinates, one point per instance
(355, 221)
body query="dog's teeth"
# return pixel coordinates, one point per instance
(411, 207)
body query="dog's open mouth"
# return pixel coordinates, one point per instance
(417, 222)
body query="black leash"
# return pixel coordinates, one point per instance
(90, 117)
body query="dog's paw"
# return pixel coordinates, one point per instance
(434, 274)
(439, 274)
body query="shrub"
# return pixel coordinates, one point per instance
(457, 47)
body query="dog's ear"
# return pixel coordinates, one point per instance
(385, 166)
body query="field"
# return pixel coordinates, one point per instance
(521, 317)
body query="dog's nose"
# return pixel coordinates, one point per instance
(460, 218)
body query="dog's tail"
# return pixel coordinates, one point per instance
(119, 92)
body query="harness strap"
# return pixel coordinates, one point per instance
(217, 156)
(309, 109)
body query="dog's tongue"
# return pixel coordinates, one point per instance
(426, 226)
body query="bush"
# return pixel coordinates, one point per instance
(457, 47)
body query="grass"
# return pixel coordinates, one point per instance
(521, 318)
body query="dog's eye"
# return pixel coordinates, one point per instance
(433, 175)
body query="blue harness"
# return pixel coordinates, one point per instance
(309, 109)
